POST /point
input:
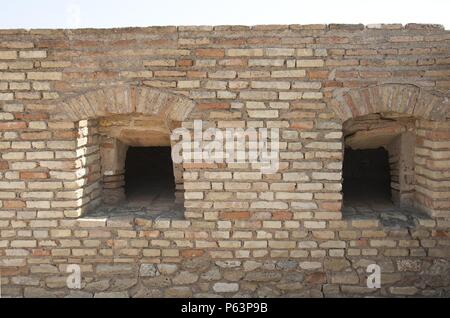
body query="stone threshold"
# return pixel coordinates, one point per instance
(388, 217)
(172, 212)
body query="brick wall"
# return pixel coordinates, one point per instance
(245, 233)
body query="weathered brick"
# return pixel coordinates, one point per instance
(8, 55)
(44, 76)
(33, 54)
(245, 52)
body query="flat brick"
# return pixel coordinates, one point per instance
(8, 55)
(33, 54)
(13, 125)
(210, 52)
(12, 76)
(45, 76)
(245, 52)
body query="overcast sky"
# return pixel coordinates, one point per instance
(115, 13)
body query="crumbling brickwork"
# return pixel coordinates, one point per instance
(245, 233)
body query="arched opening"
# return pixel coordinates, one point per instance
(110, 120)
(379, 167)
(417, 156)
(140, 177)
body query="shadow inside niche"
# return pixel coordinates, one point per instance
(367, 190)
(149, 187)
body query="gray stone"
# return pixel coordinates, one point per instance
(23, 280)
(409, 265)
(212, 274)
(262, 276)
(207, 295)
(36, 292)
(336, 264)
(56, 282)
(269, 265)
(439, 267)
(286, 264)
(357, 290)
(123, 284)
(251, 265)
(291, 286)
(157, 282)
(184, 278)
(226, 287)
(178, 292)
(294, 277)
(114, 269)
(390, 278)
(97, 286)
(148, 270)
(122, 294)
(331, 290)
(350, 278)
(144, 292)
(200, 264)
(407, 291)
(167, 269)
(228, 264)
(233, 275)
(267, 292)
(79, 294)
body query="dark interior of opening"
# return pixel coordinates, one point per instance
(149, 174)
(367, 177)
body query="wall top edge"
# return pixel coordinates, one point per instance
(209, 28)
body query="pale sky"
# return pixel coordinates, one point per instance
(123, 13)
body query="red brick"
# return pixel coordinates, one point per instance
(302, 124)
(317, 74)
(316, 278)
(234, 215)
(185, 63)
(41, 252)
(204, 106)
(192, 253)
(68, 134)
(362, 242)
(13, 271)
(149, 234)
(332, 84)
(13, 204)
(438, 135)
(196, 74)
(11, 125)
(31, 116)
(330, 206)
(33, 175)
(439, 233)
(42, 135)
(281, 215)
(4, 165)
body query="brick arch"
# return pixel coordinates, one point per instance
(399, 98)
(125, 99)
